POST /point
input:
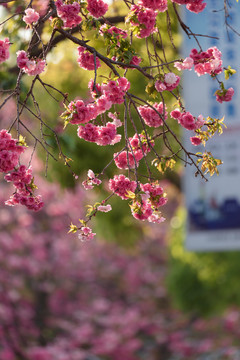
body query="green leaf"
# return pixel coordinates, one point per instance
(229, 72)
(21, 141)
(130, 195)
(73, 228)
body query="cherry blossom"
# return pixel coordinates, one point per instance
(30, 67)
(120, 184)
(224, 95)
(97, 8)
(151, 117)
(69, 13)
(4, 50)
(30, 16)
(170, 82)
(86, 61)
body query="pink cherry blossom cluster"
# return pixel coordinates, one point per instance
(224, 95)
(141, 209)
(80, 113)
(97, 8)
(155, 193)
(195, 6)
(147, 207)
(101, 135)
(109, 93)
(68, 13)
(151, 117)
(91, 181)
(143, 19)
(195, 140)
(22, 180)
(86, 234)
(9, 151)
(4, 50)
(30, 67)
(160, 5)
(115, 119)
(113, 30)
(170, 82)
(86, 60)
(31, 16)
(105, 96)
(187, 64)
(125, 160)
(121, 184)
(135, 60)
(187, 120)
(115, 91)
(104, 208)
(205, 62)
(138, 147)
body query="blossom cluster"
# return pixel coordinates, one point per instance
(87, 61)
(10, 151)
(120, 185)
(30, 67)
(22, 180)
(101, 135)
(4, 50)
(143, 20)
(138, 148)
(224, 95)
(113, 30)
(31, 16)
(151, 117)
(105, 96)
(145, 204)
(21, 177)
(187, 120)
(169, 83)
(97, 8)
(143, 14)
(86, 234)
(91, 181)
(195, 6)
(68, 13)
(204, 62)
(160, 5)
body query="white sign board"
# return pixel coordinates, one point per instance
(214, 207)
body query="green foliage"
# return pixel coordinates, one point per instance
(164, 164)
(214, 126)
(229, 72)
(201, 283)
(208, 163)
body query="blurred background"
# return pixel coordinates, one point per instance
(133, 293)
